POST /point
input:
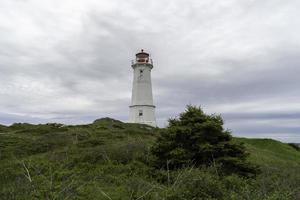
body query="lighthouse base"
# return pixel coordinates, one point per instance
(142, 114)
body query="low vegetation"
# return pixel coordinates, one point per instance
(109, 159)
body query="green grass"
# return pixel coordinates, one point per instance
(270, 152)
(109, 159)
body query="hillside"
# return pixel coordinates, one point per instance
(268, 152)
(108, 160)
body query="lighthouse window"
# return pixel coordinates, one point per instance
(141, 71)
(140, 112)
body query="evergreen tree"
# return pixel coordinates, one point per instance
(198, 139)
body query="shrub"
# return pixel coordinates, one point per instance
(198, 139)
(295, 146)
(3, 128)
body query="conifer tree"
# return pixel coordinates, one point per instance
(198, 139)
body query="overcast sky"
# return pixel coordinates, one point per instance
(69, 61)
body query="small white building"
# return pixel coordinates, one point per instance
(142, 109)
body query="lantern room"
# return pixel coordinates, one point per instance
(142, 57)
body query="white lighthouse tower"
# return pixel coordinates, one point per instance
(142, 109)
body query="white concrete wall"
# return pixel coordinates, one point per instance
(148, 116)
(142, 99)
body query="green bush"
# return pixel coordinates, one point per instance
(3, 128)
(295, 146)
(197, 139)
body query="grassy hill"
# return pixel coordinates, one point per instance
(268, 152)
(108, 160)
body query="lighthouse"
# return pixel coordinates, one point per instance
(142, 109)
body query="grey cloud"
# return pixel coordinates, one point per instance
(277, 78)
(257, 115)
(71, 63)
